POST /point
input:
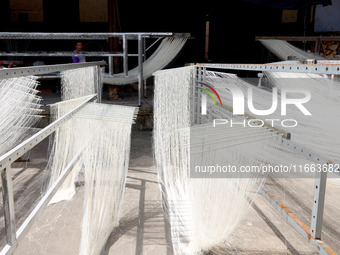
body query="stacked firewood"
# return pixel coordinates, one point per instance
(330, 49)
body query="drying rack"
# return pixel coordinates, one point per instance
(312, 234)
(125, 37)
(15, 235)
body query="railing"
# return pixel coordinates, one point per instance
(331, 67)
(14, 235)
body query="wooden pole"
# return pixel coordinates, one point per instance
(113, 27)
(206, 52)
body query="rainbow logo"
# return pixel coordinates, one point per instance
(204, 97)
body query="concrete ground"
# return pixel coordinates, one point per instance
(143, 228)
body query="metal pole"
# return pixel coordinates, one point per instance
(101, 72)
(318, 45)
(204, 73)
(8, 205)
(125, 56)
(209, 113)
(198, 101)
(316, 52)
(318, 204)
(97, 83)
(193, 96)
(140, 68)
(144, 58)
(110, 65)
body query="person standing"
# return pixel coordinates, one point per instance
(78, 50)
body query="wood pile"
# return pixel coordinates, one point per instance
(330, 49)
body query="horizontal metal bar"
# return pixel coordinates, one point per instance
(21, 149)
(183, 35)
(298, 225)
(322, 247)
(295, 222)
(299, 38)
(280, 67)
(36, 70)
(307, 153)
(327, 61)
(82, 36)
(63, 54)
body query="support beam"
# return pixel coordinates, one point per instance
(113, 28)
(198, 94)
(64, 54)
(204, 79)
(82, 36)
(8, 205)
(111, 65)
(318, 204)
(286, 66)
(98, 83)
(307, 153)
(207, 28)
(125, 56)
(140, 68)
(145, 94)
(36, 70)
